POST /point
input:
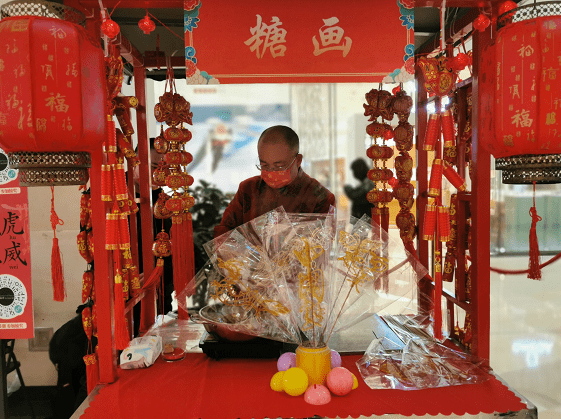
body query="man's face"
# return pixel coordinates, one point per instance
(276, 154)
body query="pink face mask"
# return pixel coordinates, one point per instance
(276, 180)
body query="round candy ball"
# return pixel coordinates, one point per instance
(276, 381)
(286, 361)
(355, 381)
(335, 359)
(294, 381)
(317, 394)
(340, 381)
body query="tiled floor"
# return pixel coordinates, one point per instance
(526, 332)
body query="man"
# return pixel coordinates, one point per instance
(360, 205)
(282, 182)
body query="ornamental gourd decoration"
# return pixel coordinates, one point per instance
(52, 93)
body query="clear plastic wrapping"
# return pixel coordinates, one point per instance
(300, 278)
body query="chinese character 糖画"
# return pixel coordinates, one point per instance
(331, 37)
(270, 36)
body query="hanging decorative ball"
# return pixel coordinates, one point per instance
(146, 24)
(481, 22)
(110, 28)
(507, 6)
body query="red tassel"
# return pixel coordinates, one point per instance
(57, 273)
(438, 296)
(534, 264)
(155, 278)
(121, 333)
(92, 371)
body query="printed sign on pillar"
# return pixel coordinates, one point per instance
(16, 308)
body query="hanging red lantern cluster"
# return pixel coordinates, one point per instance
(173, 110)
(379, 104)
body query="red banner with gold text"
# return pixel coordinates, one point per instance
(16, 303)
(286, 41)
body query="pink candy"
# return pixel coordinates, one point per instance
(340, 381)
(317, 395)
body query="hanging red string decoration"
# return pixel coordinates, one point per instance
(57, 273)
(534, 264)
(146, 24)
(173, 110)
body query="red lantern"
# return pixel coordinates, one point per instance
(519, 98)
(507, 6)
(146, 24)
(52, 101)
(481, 22)
(110, 28)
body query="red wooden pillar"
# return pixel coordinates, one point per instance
(148, 305)
(480, 218)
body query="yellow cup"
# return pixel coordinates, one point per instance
(316, 362)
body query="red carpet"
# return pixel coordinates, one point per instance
(199, 387)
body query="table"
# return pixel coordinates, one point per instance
(200, 387)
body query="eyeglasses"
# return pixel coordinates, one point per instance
(275, 168)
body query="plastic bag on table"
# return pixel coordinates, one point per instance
(142, 352)
(176, 333)
(405, 357)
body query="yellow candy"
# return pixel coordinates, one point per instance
(355, 381)
(276, 381)
(295, 381)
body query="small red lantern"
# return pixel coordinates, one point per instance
(110, 28)
(481, 22)
(146, 24)
(507, 6)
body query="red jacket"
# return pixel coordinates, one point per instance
(254, 198)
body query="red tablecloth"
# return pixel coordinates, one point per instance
(199, 387)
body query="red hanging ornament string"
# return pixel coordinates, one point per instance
(57, 272)
(521, 271)
(534, 263)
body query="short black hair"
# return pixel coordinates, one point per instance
(290, 137)
(360, 168)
